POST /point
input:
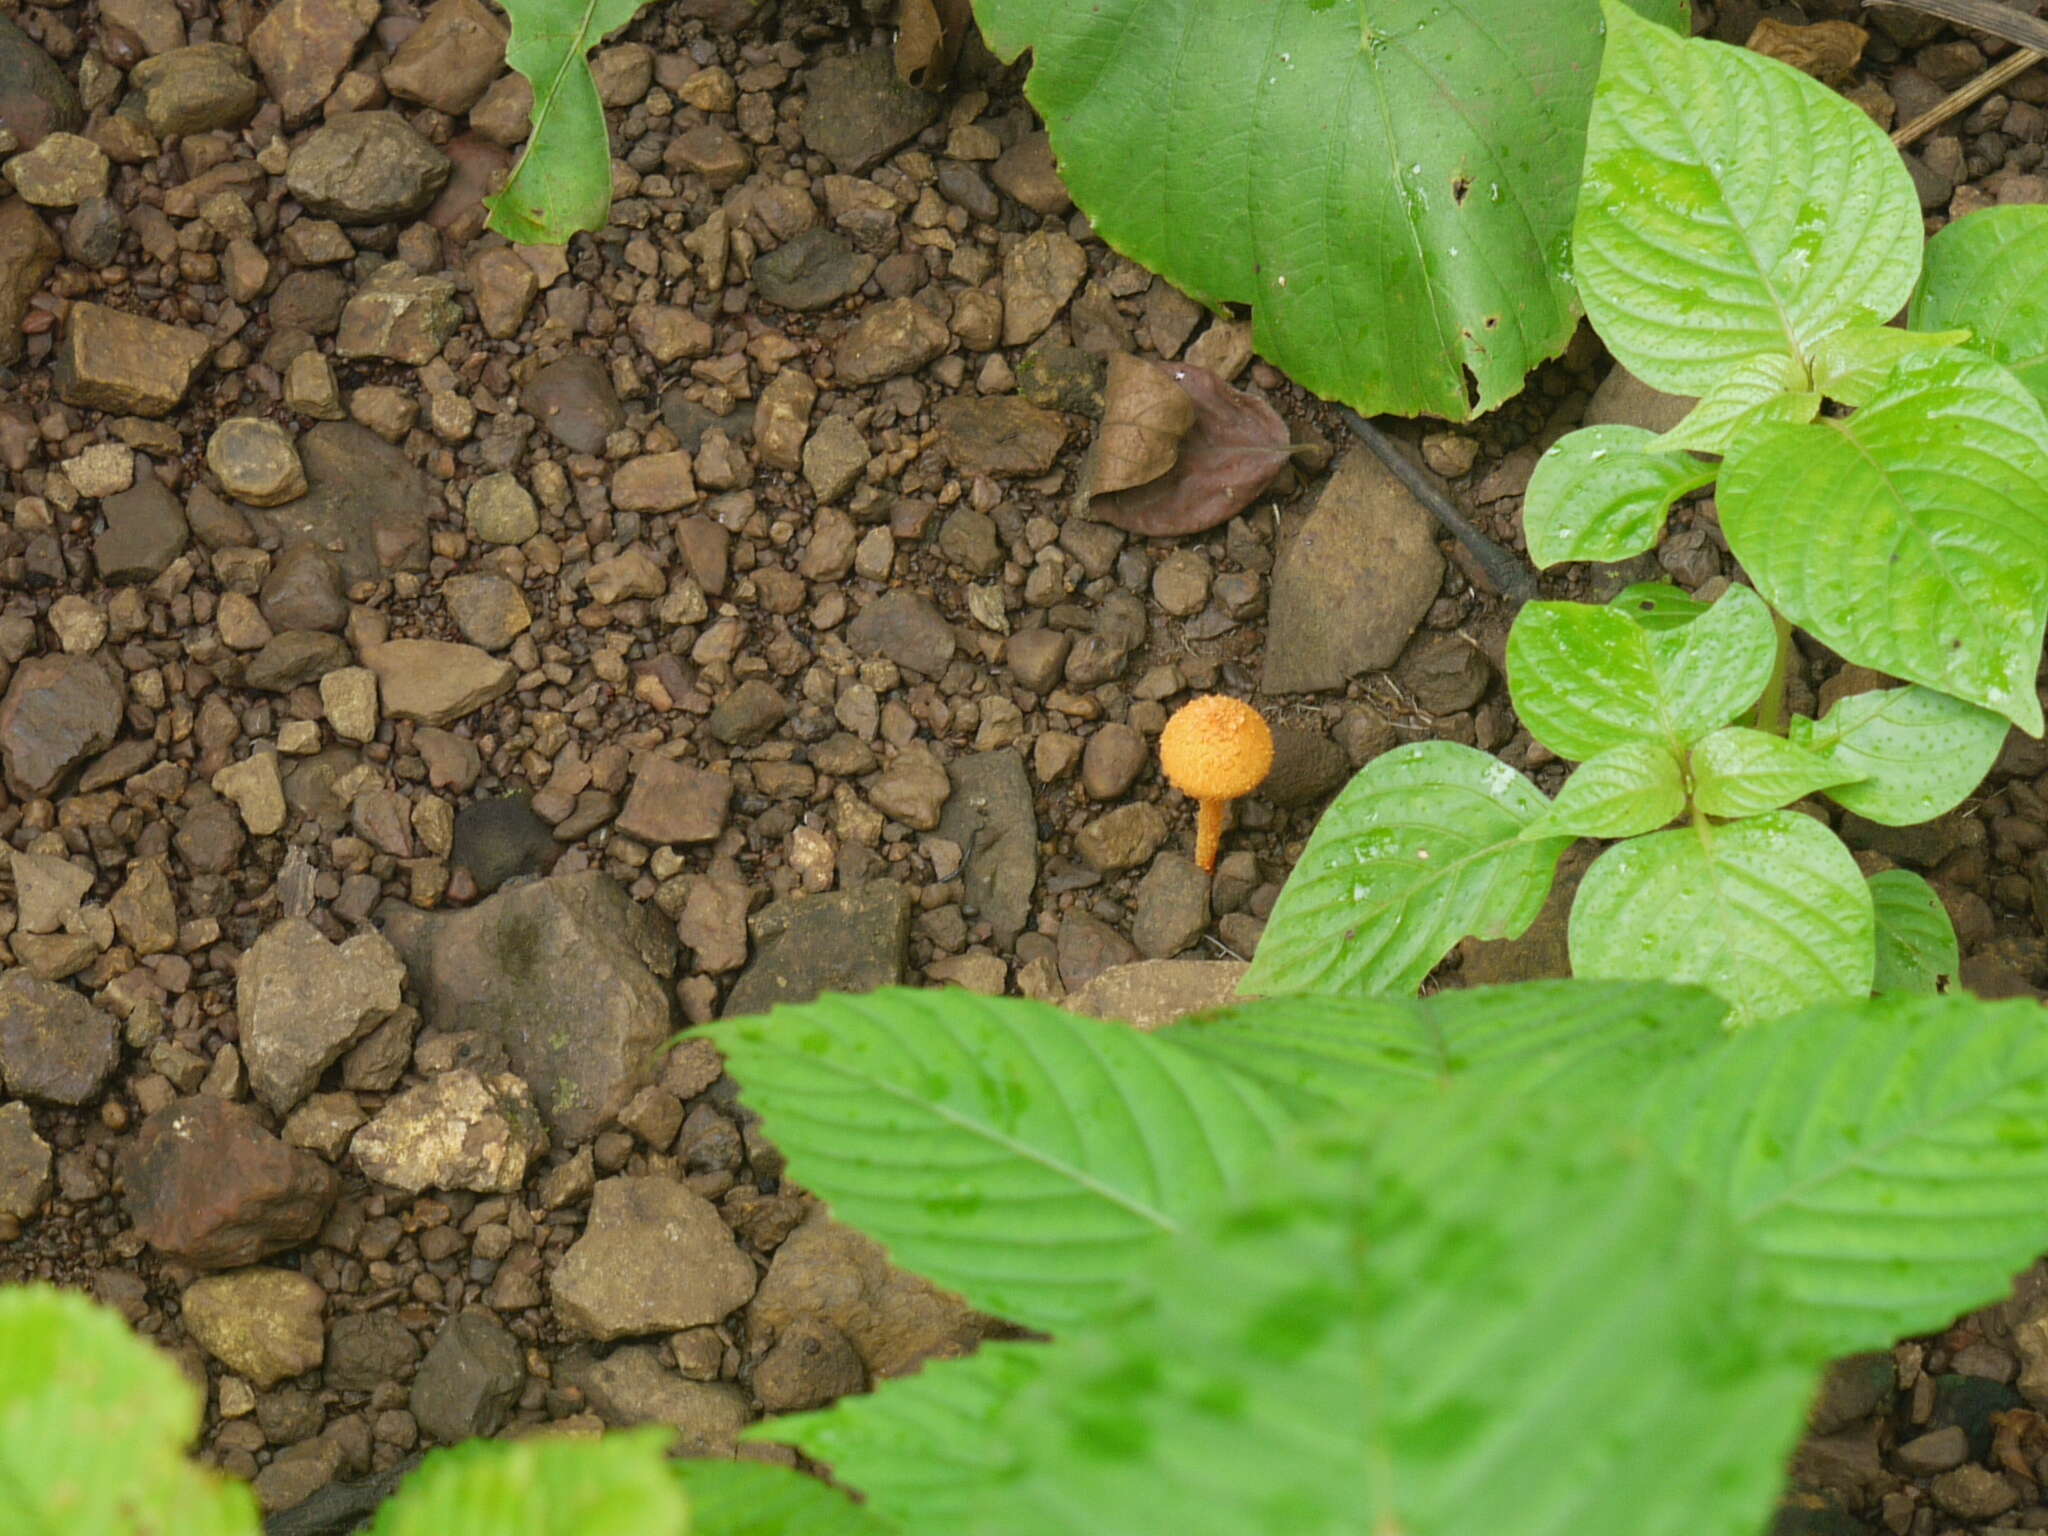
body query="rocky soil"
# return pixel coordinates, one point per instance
(433, 671)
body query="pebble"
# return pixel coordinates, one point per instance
(653, 1258)
(992, 816)
(369, 1350)
(713, 924)
(25, 1181)
(999, 436)
(1173, 907)
(366, 168)
(573, 399)
(1026, 172)
(470, 1379)
(255, 461)
(47, 891)
(126, 364)
(907, 628)
(206, 1185)
(460, 1130)
(654, 482)
(301, 48)
(36, 96)
(55, 1046)
(913, 789)
(813, 271)
(436, 681)
(631, 1386)
(1444, 673)
(302, 1001)
(304, 590)
(1123, 838)
(1040, 274)
(500, 840)
(146, 531)
(488, 610)
(57, 712)
(842, 941)
(450, 58)
(27, 253)
(103, 470)
(671, 802)
(858, 111)
(889, 339)
(256, 789)
(399, 315)
(746, 716)
(1114, 757)
(61, 172)
(833, 458)
(1086, 946)
(500, 510)
(197, 89)
(262, 1324)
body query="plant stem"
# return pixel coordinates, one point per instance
(1770, 709)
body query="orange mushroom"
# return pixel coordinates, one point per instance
(1213, 750)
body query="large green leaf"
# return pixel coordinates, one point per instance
(1916, 942)
(1388, 183)
(1913, 536)
(94, 1424)
(926, 1451)
(1421, 848)
(1602, 493)
(1852, 364)
(1477, 1315)
(1588, 679)
(615, 1486)
(1988, 272)
(1768, 386)
(1737, 771)
(1325, 1054)
(1018, 1154)
(1771, 913)
(1732, 206)
(1919, 752)
(563, 181)
(1633, 788)
(1889, 1160)
(752, 1498)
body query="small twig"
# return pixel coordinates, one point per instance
(1502, 569)
(1983, 16)
(1962, 99)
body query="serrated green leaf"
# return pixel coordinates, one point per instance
(563, 181)
(1769, 386)
(926, 1451)
(94, 1425)
(1658, 604)
(1771, 913)
(1731, 206)
(1421, 848)
(1380, 1365)
(1586, 679)
(1737, 771)
(1852, 365)
(1027, 1158)
(1888, 1160)
(1324, 1055)
(1920, 752)
(1988, 271)
(1912, 537)
(1389, 187)
(615, 1486)
(1635, 787)
(1602, 493)
(752, 1498)
(1916, 942)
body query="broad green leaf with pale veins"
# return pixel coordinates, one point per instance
(1916, 942)
(1913, 536)
(1769, 385)
(1920, 753)
(1988, 272)
(752, 1498)
(1853, 363)
(1737, 771)
(1027, 1158)
(1633, 788)
(1731, 206)
(1602, 493)
(1421, 848)
(1771, 913)
(1388, 183)
(563, 181)
(619, 1485)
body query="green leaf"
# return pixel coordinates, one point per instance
(1658, 604)
(1635, 787)
(615, 1486)
(563, 181)
(94, 1423)
(1888, 1160)
(1482, 1315)
(1732, 206)
(1771, 913)
(1916, 942)
(1768, 386)
(1912, 537)
(1329, 1054)
(1421, 848)
(1737, 771)
(928, 1451)
(1989, 272)
(1920, 753)
(1852, 365)
(1602, 493)
(1025, 1157)
(1585, 679)
(1390, 187)
(751, 1498)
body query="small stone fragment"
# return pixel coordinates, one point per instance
(436, 681)
(61, 172)
(302, 1002)
(459, 1130)
(206, 1185)
(469, 1380)
(55, 1046)
(255, 461)
(57, 712)
(125, 364)
(366, 168)
(654, 1258)
(25, 1181)
(671, 802)
(264, 1324)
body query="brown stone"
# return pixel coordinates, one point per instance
(206, 1185)
(999, 435)
(436, 681)
(891, 338)
(302, 46)
(27, 253)
(671, 802)
(450, 58)
(58, 711)
(113, 361)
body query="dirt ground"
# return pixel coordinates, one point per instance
(409, 641)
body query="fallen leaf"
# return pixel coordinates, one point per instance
(1827, 50)
(928, 38)
(1145, 414)
(2021, 1436)
(1236, 446)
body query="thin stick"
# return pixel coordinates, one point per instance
(1502, 569)
(1984, 16)
(1968, 96)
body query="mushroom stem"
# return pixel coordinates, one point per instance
(1209, 833)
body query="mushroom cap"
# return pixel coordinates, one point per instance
(1216, 748)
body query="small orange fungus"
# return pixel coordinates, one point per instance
(1213, 750)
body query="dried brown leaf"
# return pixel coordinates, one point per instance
(1145, 414)
(928, 38)
(1236, 446)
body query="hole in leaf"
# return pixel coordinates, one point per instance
(1473, 393)
(1460, 185)
(1493, 322)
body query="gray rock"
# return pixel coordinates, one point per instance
(24, 1164)
(500, 840)
(55, 1046)
(366, 168)
(811, 1364)
(573, 399)
(459, 1130)
(297, 656)
(844, 941)
(36, 96)
(907, 628)
(206, 1185)
(1086, 947)
(302, 1001)
(1173, 907)
(999, 435)
(654, 1258)
(749, 714)
(813, 271)
(992, 818)
(1114, 757)
(367, 1349)
(470, 1379)
(146, 531)
(1123, 838)
(1306, 766)
(1148, 994)
(304, 590)
(631, 1386)
(265, 1324)
(489, 611)
(365, 503)
(859, 110)
(1444, 673)
(57, 712)
(436, 681)
(1353, 584)
(672, 802)
(570, 975)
